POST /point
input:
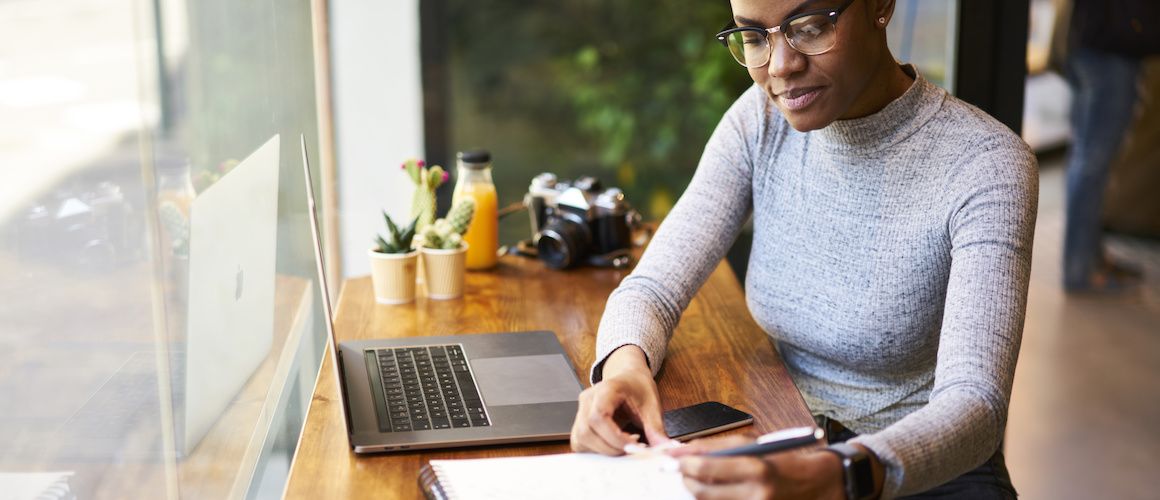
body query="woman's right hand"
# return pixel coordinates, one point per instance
(626, 394)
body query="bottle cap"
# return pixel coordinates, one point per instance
(475, 158)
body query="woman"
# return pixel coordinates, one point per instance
(892, 247)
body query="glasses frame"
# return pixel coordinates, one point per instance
(731, 28)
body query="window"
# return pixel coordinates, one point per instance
(102, 107)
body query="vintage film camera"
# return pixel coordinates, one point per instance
(580, 222)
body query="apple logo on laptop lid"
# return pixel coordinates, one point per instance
(240, 279)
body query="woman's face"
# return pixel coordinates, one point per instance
(813, 91)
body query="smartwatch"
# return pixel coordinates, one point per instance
(858, 476)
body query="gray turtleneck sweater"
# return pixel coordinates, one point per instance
(890, 262)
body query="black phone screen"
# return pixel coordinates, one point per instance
(703, 419)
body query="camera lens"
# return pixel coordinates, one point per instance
(562, 242)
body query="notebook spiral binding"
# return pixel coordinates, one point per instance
(429, 483)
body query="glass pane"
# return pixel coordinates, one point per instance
(136, 361)
(587, 88)
(923, 33)
(78, 355)
(237, 91)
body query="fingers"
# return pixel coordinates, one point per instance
(652, 423)
(630, 396)
(585, 439)
(715, 478)
(720, 477)
(717, 470)
(745, 490)
(594, 429)
(589, 442)
(600, 422)
(643, 407)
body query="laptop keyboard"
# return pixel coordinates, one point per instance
(429, 388)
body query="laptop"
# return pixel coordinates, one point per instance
(233, 237)
(232, 255)
(447, 391)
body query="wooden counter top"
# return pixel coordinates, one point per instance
(717, 353)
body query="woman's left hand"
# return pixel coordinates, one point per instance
(810, 474)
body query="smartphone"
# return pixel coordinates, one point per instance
(703, 419)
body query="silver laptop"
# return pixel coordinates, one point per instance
(457, 390)
(232, 255)
(229, 328)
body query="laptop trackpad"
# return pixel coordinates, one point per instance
(521, 380)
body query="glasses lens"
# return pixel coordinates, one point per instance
(812, 35)
(749, 47)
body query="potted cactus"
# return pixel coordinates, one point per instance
(393, 262)
(427, 180)
(445, 252)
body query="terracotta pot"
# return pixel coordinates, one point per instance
(445, 272)
(393, 276)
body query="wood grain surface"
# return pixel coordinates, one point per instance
(717, 353)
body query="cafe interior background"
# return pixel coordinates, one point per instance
(116, 114)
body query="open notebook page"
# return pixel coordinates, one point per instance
(562, 477)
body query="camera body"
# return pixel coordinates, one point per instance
(84, 226)
(579, 221)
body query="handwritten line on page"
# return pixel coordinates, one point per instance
(563, 477)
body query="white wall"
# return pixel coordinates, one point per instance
(378, 116)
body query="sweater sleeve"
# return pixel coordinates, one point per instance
(687, 246)
(991, 225)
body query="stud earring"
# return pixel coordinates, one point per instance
(882, 20)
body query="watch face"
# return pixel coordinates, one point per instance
(859, 477)
(863, 477)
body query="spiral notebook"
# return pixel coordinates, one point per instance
(36, 486)
(559, 477)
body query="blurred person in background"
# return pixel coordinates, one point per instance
(1102, 51)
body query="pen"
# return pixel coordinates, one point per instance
(782, 440)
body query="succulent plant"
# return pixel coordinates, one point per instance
(460, 215)
(427, 180)
(398, 240)
(447, 233)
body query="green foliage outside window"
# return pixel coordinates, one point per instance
(627, 91)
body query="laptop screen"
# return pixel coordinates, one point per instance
(315, 234)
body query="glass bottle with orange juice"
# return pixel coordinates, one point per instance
(482, 236)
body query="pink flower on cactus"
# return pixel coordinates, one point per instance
(422, 163)
(446, 176)
(403, 166)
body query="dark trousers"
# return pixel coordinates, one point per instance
(989, 481)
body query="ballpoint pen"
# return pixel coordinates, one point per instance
(785, 439)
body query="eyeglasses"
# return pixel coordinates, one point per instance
(811, 33)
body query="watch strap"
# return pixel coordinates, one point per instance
(857, 473)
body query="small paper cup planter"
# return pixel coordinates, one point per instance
(393, 276)
(445, 271)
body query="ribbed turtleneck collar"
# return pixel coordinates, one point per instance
(891, 124)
